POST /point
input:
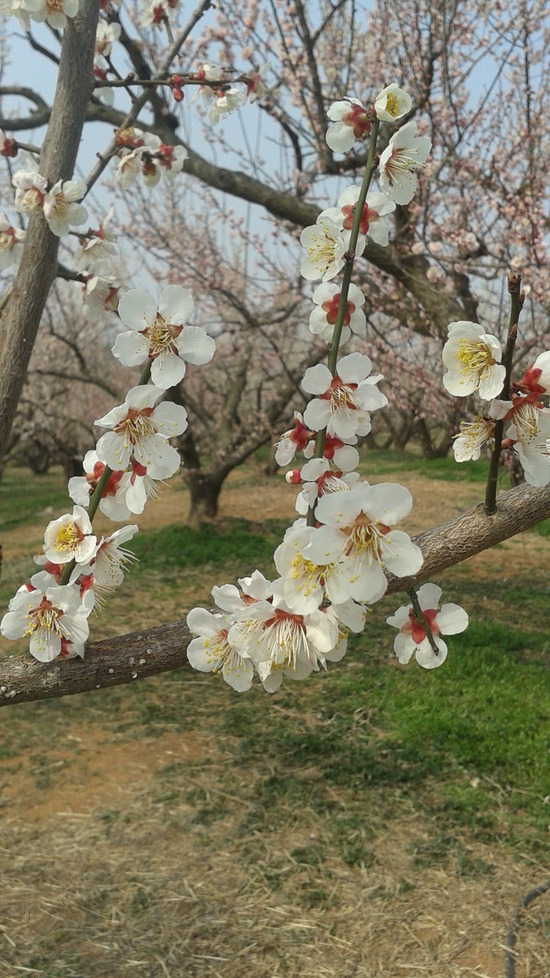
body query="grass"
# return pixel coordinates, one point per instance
(234, 544)
(24, 496)
(380, 462)
(371, 782)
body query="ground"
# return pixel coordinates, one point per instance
(178, 830)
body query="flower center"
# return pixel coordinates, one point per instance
(162, 336)
(416, 628)
(68, 538)
(330, 307)
(54, 6)
(364, 537)
(358, 119)
(31, 200)
(367, 216)
(402, 159)
(322, 249)
(46, 620)
(287, 641)
(307, 576)
(137, 425)
(340, 396)
(392, 104)
(476, 358)
(525, 420)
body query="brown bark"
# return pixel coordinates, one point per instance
(127, 658)
(20, 319)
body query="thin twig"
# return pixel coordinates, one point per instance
(514, 925)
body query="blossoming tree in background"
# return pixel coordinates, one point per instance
(344, 553)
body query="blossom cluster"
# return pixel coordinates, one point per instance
(473, 361)
(131, 460)
(333, 560)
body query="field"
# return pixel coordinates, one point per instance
(377, 821)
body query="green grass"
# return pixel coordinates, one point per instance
(468, 744)
(23, 496)
(380, 462)
(236, 544)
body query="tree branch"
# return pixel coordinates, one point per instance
(20, 319)
(137, 655)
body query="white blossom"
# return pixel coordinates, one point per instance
(392, 103)
(55, 620)
(158, 331)
(70, 538)
(61, 208)
(404, 154)
(472, 358)
(350, 122)
(141, 431)
(412, 637)
(346, 400)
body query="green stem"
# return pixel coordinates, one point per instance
(346, 280)
(516, 303)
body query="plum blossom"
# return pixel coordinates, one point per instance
(449, 620)
(325, 246)
(80, 488)
(21, 9)
(472, 358)
(357, 541)
(404, 154)
(344, 402)
(129, 168)
(211, 651)
(8, 145)
(303, 582)
(225, 102)
(70, 538)
(376, 206)
(472, 437)
(156, 13)
(326, 298)
(100, 295)
(317, 479)
(350, 122)
(106, 35)
(255, 86)
(61, 208)
(101, 70)
(96, 252)
(209, 73)
(530, 432)
(109, 562)
(11, 243)
(292, 441)
(30, 190)
(341, 452)
(284, 643)
(392, 103)
(55, 12)
(141, 431)
(158, 331)
(54, 618)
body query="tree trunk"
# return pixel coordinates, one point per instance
(204, 490)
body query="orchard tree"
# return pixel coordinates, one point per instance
(345, 552)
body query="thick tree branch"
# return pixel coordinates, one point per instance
(20, 319)
(126, 658)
